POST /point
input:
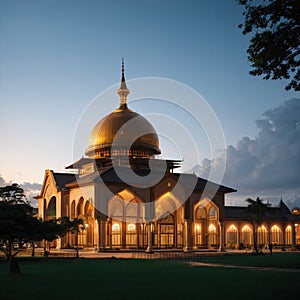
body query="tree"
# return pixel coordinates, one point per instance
(274, 50)
(49, 231)
(74, 226)
(13, 194)
(15, 216)
(256, 211)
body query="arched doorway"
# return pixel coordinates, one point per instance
(200, 225)
(116, 212)
(88, 224)
(51, 209)
(167, 231)
(126, 226)
(206, 224)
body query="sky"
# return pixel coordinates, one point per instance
(57, 56)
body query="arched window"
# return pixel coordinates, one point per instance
(200, 213)
(276, 235)
(212, 213)
(262, 235)
(116, 227)
(167, 230)
(212, 235)
(88, 209)
(131, 237)
(131, 227)
(288, 235)
(198, 234)
(73, 209)
(116, 209)
(116, 234)
(80, 207)
(246, 235)
(51, 209)
(232, 235)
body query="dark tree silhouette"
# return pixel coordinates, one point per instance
(274, 50)
(15, 215)
(49, 231)
(256, 211)
(73, 226)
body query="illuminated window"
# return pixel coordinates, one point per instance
(131, 227)
(288, 235)
(197, 228)
(212, 235)
(179, 235)
(262, 235)
(212, 213)
(116, 234)
(198, 234)
(246, 235)
(131, 235)
(116, 227)
(200, 213)
(232, 235)
(276, 235)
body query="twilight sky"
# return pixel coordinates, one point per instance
(56, 56)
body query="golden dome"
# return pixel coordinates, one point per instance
(109, 138)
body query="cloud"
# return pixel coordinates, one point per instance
(270, 163)
(2, 181)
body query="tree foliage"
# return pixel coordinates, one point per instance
(274, 50)
(15, 219)
(73, 226)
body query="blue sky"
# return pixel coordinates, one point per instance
(56, 56)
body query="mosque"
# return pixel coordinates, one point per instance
(115, 191)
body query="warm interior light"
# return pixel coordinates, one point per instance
(116, 227)
(131, 227)
(197, 228)
(212, 227)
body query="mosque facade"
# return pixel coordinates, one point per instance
(180, 211)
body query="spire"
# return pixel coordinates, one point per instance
(123, 91)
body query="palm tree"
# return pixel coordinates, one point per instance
(256, 211)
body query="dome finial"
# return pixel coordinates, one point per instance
(123, 70)
(123, 91)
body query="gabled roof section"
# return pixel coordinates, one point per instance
(202, 184)
(59, 180)
(62, 179)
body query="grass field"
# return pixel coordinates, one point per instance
(152, 279)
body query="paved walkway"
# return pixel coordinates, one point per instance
(200, 264)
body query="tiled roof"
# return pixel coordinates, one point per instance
(190, 181)
(273, 213)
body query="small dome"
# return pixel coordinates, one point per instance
(107, 131)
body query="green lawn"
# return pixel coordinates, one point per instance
(151, 279)
(277, 260)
